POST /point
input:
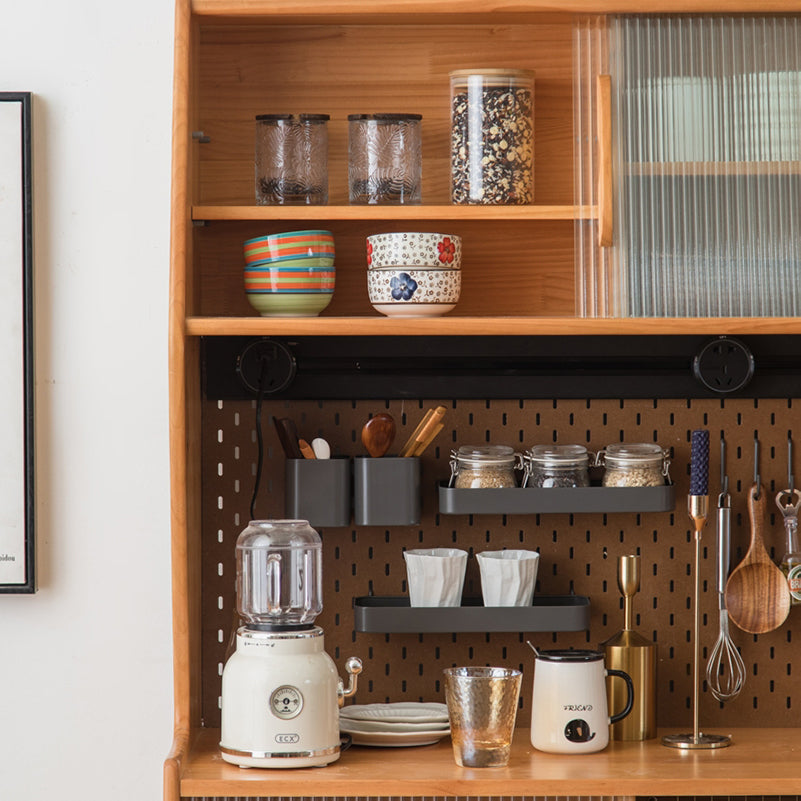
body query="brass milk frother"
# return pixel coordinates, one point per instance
(634, 654)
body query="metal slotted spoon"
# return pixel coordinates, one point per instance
(725, 671)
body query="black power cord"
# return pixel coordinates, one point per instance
(259, 438)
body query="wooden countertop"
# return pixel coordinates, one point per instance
(758, 762)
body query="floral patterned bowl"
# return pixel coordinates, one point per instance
(413, 291)
(414, 249)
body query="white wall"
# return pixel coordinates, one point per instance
(85, 664)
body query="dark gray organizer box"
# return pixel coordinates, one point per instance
(536, 500)
(386, 490)
(393, 614)
(318, 490)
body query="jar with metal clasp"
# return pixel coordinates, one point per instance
(634, 464)
(557, 466)
(484, 466)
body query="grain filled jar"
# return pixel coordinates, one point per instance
(557, 466)
(492, 136)
(484, 466)
(636, 464)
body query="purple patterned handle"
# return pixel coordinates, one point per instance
(699, 462)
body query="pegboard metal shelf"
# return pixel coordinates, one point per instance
(537, 500)
(393, 614)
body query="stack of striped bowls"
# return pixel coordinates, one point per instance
(290, 274)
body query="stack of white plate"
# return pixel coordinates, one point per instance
(395, 725)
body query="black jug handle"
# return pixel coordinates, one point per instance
(630, 693)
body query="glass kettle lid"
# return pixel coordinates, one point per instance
(279, 574)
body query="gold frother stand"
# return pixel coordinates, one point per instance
(698, 509)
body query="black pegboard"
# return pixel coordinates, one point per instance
(579, 552)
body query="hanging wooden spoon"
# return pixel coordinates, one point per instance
(757, 595)
(378, 434)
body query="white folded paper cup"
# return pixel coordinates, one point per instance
(435, 576)
(508, 577)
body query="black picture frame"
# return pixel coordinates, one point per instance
(17, 529)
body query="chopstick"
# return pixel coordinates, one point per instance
(423, 435)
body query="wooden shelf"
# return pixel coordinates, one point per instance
(366, 10)
(759, 762)
(453, 325)
(392, 213)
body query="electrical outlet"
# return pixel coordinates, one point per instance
(266, 365)
(724, 365)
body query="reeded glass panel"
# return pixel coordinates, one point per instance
(706, 118)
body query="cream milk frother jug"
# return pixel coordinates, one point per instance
(569, 711)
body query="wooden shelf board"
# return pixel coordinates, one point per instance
(446, 10)
(758, 762)
(444, 212)
(452, 325)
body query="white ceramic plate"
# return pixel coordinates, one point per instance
(354, 724)
(397, 739)
(400, 712)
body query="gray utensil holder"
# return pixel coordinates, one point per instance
(386, 490)
(318, 490)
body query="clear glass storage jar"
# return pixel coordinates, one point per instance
(492, 136)
(292, 159)
(557, 466)
(385, 159)
(636, 464)
(484, 466)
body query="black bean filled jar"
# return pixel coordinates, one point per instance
(492, 136)
(557, 466)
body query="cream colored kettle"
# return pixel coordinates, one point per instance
(569, 711)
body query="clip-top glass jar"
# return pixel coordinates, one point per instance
(636, 464)
(557, 466)
(492, 136)
(484, 466)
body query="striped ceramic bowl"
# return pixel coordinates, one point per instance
(277, 290)
(290, 246)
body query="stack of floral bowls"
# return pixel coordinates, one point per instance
(291, 273)
(414, 274)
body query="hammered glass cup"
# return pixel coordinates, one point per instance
(482, 708)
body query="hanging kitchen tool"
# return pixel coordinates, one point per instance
(789, 502)
(725, 670)
(757, 594)
(635, 655)
(378, 434)
(698, 508)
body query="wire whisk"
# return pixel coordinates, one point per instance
(725, 671)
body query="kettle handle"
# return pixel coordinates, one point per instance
(629, 691)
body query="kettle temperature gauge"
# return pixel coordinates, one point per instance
(286, 702)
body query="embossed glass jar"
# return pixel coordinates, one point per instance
(484, 466)
(385, 159)
(557, 466)
(636, 464)
(292, 159)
